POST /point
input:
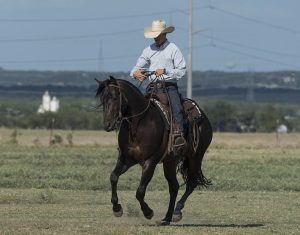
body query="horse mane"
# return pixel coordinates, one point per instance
(101, 86)
(121, 82)
(132, 87)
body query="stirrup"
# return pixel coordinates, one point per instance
(179, 142)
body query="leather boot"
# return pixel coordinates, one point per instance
(179, 142)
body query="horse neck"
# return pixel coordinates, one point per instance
(135, 99)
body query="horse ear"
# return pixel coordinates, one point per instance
(101, 86)
(113, 80)
(98, 81)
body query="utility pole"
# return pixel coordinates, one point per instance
(250, 92)
(100, 56)
(190, 53)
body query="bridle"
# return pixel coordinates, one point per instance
(120, 117)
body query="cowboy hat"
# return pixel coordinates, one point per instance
(158, 27)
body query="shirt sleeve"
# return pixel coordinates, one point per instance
(143, 62)
(179, 69)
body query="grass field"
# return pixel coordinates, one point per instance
(64, 189)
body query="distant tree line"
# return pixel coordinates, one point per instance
(19, 91)
(72, 116)
(224, 116)
(201, 79)
(59, 120)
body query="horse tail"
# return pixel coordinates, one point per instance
(197, 178)
(199, 138)
(202, 180)
(183, 168)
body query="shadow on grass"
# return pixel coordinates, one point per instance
(219, 225)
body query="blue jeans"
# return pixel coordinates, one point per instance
(176, 106)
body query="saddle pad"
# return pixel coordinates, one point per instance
(191, 110)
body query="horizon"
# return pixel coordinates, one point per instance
(201, 71)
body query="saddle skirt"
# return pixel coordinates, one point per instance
(192, 112)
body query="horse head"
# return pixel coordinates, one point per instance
(109, 93)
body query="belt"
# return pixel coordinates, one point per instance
(159, 85)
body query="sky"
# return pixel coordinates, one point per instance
(96, 35)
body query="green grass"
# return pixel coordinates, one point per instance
(66, 190)
(89, 212)
(88, 168)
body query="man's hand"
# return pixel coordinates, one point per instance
(139, 75)
(159, 72)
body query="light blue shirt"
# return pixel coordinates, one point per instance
(167, 56)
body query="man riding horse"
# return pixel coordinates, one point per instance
(167, 62)
(143, 136)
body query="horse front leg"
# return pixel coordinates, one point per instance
(170, 175)
(148, 171)
(121, 167)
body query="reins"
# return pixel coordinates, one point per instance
(121, 117)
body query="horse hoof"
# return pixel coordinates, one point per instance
(149, 215)
(177, 217)
(162, 223)
(118, 212)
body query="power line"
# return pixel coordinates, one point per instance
(82, 59)
(251, 47)
(197, 47)
(88, 19)
(48, 61)
(186, 11)
(70, 60)
(62, 20)
(256, 57)
(83, 36)
(93, 59)
(290, 30)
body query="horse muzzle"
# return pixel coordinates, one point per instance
(109, 126)
(112, 125)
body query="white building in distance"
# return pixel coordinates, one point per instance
(282, 129)
(48, 104)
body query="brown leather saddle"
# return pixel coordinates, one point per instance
(192, 112)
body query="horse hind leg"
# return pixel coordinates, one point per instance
(190, 186)
(177, 214)
(193, 178)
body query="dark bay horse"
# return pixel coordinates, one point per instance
(143, 139)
